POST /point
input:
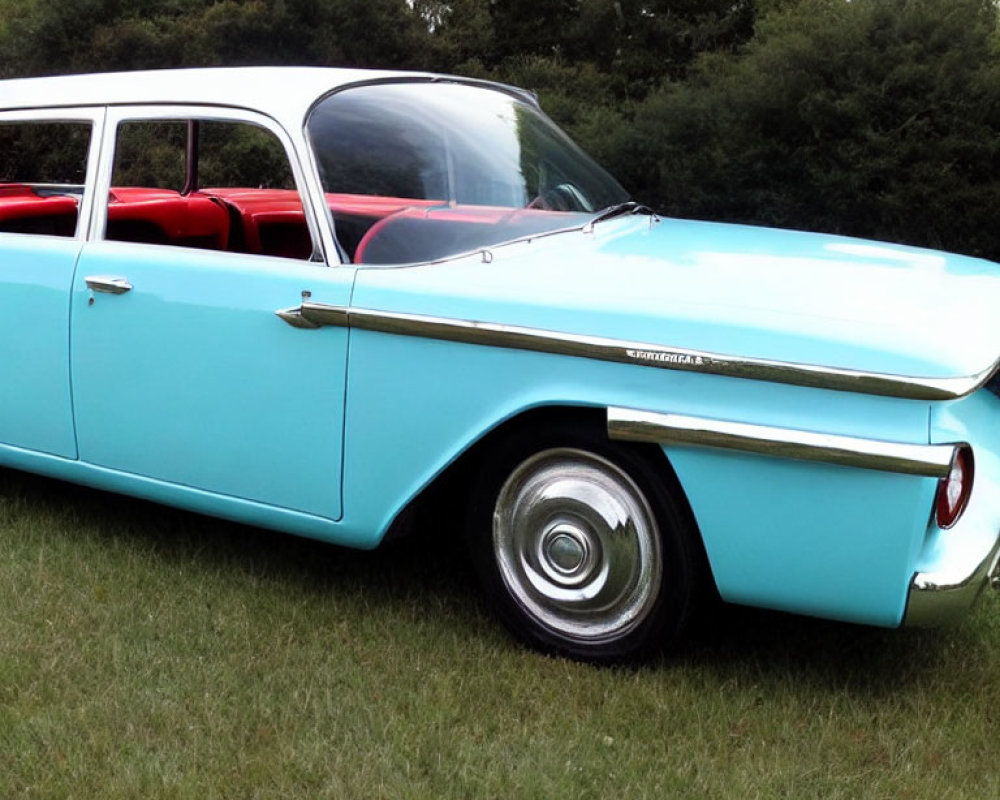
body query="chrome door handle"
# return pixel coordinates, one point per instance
(109, 284)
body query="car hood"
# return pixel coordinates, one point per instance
(731, 290)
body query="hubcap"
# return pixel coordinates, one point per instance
(577, 545)
(567, 554)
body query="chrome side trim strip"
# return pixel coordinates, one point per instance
(323, 314)
(649, 355)
(929, 460)
(940, 598)
(293, 316)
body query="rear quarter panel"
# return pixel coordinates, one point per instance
(806, 537)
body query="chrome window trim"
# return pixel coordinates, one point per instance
(648, 355)
(333, 253)
(927, 460)
(96, 116)
(116, 115)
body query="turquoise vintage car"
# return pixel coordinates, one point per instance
(307, 299)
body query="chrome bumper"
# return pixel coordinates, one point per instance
(939, 598)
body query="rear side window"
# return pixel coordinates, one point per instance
(206, 183)
(154, 153)
(43, 166)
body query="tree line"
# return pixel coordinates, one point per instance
(876, 118)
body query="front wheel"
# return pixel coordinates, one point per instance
(583, 549)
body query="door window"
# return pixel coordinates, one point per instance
(43, 167)
(209, 184)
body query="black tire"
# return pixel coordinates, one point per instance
(563, 577)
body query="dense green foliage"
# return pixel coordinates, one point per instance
(869, 117)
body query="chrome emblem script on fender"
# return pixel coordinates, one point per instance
(665, 357)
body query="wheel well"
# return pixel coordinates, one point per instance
(437, 500)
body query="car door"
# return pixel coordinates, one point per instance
(182, 371)
(44, 158)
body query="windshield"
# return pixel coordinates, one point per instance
(423, 171)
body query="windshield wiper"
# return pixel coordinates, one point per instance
(629, 207)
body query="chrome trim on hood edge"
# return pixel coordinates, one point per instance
(650, 355)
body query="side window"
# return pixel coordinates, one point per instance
(209, 184)
(43, 166)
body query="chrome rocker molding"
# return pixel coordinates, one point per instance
(941, 598)
(314, 315)
(928, 460)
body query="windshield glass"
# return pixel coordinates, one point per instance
(423, 171)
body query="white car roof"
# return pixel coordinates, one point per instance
(282, 92)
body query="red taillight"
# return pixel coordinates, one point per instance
(954, 490)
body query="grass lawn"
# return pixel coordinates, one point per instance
(150, 653)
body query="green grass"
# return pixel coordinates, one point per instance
(146, 652)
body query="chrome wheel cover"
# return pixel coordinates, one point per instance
(577, 545)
